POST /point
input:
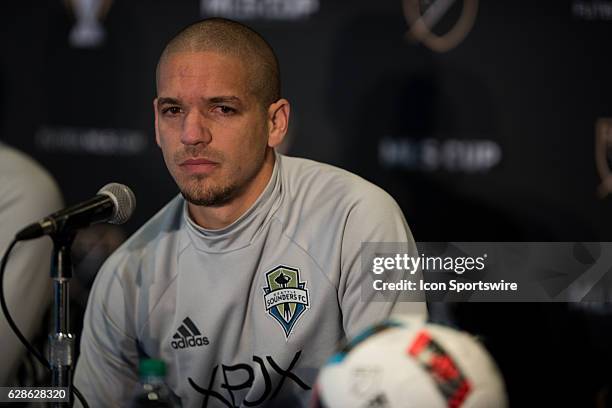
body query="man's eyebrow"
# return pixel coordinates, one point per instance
(167, 101)
(222, 99)
(164, 100)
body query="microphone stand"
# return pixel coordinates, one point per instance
(61, 352)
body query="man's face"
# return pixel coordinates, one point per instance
(210, 126)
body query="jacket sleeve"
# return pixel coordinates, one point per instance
(375, 218)
(106, 371)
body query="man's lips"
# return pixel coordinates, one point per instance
(198, 165)
(195, 162)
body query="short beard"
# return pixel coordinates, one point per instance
(216, 196)
(210, 197)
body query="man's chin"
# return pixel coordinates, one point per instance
(216, 198)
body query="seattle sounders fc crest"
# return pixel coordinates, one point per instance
(285, 297)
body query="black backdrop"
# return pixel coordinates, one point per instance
(492, 140)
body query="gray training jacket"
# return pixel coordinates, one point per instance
(244, 315)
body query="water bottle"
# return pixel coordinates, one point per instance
(152, 390)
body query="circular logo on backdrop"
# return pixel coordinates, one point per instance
(423, 16)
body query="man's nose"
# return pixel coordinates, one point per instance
(195, 129)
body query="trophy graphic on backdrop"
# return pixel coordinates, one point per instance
(88, 31)
(603, 154)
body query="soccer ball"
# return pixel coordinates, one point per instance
(410, 364)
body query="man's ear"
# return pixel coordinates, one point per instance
(156, 122)
(278, 122)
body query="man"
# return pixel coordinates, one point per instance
(27, 193)
(246, 282)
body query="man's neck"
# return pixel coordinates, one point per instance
(224, 215)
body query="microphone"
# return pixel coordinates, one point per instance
(114, 203)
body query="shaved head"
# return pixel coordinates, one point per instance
(230, 38)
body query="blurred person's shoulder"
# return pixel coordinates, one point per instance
(26, 182)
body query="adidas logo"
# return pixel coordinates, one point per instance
(188, 335)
